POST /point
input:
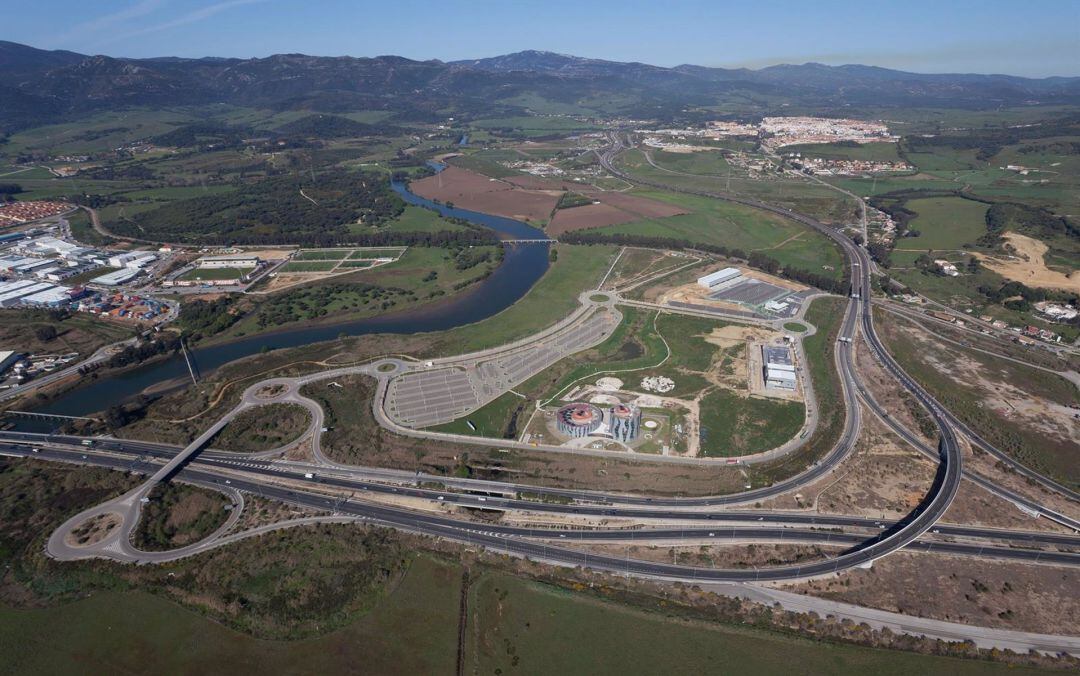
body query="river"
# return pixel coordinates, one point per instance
(522, 266)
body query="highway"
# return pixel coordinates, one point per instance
(861, 264)
(285, 482)
(1003, 545)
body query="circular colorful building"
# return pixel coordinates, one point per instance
(579, 419)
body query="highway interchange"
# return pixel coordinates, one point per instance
(331, 488)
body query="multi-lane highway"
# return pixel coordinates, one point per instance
(267, 479)
(730, 526)
(860, 264)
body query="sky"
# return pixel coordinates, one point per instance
(1014, 37)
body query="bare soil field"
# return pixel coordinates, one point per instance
(642, 206)
(957, 589)
(746, 555)
(882, 479)
(541, 183)
(614, 208)
(533, 198)
(1028, 265)
(638, 264)
(588, 216)
(470, 190)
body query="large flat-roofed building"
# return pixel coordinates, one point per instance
(54, 296)
(779, 369)
(15, 297)
(239, 261)
(120, 276)
(715, 279)
(7, 359)
(132, 259)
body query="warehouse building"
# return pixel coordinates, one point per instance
(244, 261)
(132, 259)
(121, 276)
(715, 279)
(779, 368)
(8, 359)
(15, 297)
(54, 296)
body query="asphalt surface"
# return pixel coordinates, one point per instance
(863, 552)
(472, 531)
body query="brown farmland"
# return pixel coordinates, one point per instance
(532, 198)
(470, 190)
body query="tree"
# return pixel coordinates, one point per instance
(45, 333)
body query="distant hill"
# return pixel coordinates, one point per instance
(39, 86)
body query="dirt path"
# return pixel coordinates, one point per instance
(95, 221)
(463, 622)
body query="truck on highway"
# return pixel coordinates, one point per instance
(87, 442)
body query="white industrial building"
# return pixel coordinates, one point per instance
(132, 259)
(9, 263)
(212, 262)
(54, 296)
(779, 368)
(719, 277)
(117, 277)
(7, 359)
(15, 297)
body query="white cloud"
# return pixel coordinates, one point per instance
(191, 17)
(101, 23)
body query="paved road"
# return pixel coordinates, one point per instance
(902, 534)
(286, 474)
(763, 529)
(100, 355)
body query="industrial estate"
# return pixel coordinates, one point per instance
(389, 376)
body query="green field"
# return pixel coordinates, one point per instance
(704, 163)
(732, 425)
(874, 152)
(413, 630)
(945, 223)
(737, 227)
(525, 627)
(309, 266)
(215, 273)
(797, 194)
(421, 275)
(414, 219)
(577, 269)
(515, 626)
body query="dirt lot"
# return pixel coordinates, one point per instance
(1029, 266)
(988, 593)
(1029, 399)
(881, 479)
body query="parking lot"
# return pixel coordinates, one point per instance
(450, 390)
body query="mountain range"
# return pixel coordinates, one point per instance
(40, 86)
